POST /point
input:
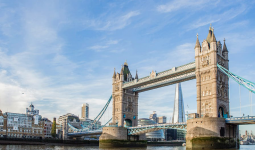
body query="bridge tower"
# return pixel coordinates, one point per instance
(124, 113)
(125, 101)
(212, 84)
(208, 129)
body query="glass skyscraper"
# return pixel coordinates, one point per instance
(179, 113)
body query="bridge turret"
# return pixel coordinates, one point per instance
(121, 74)
(219, 48)
(197, 47)
(114, 76)
(225, 51)
(136, 75)
(213, 44)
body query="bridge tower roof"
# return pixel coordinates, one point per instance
(211, 37)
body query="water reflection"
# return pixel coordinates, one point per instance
(49, 147)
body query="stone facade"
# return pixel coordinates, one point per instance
(211, 133)
(208, 129)
(125, 102)
(118, 137)
(212, 85)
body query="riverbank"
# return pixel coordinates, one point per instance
(48, 142)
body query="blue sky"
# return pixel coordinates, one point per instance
(61, 54)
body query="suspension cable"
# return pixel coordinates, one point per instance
(240, 99)
(251, 104)
(250, 101)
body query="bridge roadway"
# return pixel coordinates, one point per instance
(164, 78)
(241, 120)
(149, 128)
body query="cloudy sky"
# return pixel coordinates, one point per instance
(60, 54)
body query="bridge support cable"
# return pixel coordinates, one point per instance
(106, 123)
(251, 105)
(95, 121)
(241, 81)
(240, 99)
(99, 116)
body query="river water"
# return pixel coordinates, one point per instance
(48, 147)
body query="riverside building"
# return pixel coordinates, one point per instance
(16, 125)
(85, 111)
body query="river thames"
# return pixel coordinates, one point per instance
(49, 147)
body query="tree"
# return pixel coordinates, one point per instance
(53, 128)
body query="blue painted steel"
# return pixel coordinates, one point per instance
(106, 123)
(99, 116)
(241, 120)
(86, 129)
(149, 128)
(241, 81)
(95, 121)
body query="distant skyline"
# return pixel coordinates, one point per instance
(60, 54)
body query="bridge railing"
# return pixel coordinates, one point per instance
(240, 118)
(155, 125)
(162, 74)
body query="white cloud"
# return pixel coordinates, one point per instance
(217, 17)
(98, 48)
(112, 23)
(180, 4)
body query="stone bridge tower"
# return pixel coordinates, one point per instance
(208, 129)
(125, 101)
(212, 84)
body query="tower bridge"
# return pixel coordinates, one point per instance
(212, 120)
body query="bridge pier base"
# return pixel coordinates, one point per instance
(211, 133)
(118, 137)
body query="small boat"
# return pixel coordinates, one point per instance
(183, 144)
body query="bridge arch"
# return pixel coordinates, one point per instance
(127, 123)
(222, 111)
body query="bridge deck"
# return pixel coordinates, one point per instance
(168, 77)
(241, 120)
(149, 128)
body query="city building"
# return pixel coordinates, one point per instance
(153, 116)
(86, 122)
(85, 111)
(47, 127)
(151, 136)
(178, 113)
(58, 131)
(31, 110)
(170, 134)
(161, 120)
(61, 118)
(2, 124)
(16, 125)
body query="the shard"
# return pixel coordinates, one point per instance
(179, 113)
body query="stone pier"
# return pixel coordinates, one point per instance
(211, 133)
(118, 137)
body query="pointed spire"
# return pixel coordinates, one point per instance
(136, 76)
(210, 37)
(224, 46)
(114, 74)
(213, 37)
(122, 69)
(197, 42)
(126, 64)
